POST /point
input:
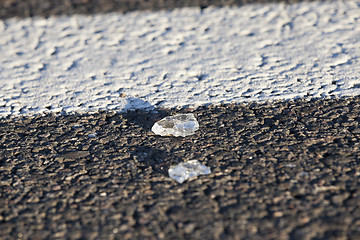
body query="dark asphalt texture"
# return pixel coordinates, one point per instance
(282, 170)
(46, 8)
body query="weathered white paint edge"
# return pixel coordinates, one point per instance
(260, 52)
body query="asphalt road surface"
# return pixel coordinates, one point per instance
(45, 8)
(280, 170)
(286, 170)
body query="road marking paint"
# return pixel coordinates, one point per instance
(257, 52)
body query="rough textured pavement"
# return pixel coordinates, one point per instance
(45, 8)
(281, 170)
(286, 170)
(183, 57)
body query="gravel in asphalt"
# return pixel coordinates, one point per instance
(46, 8)
(281, 170)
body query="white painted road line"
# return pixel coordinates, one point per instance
(182, 57)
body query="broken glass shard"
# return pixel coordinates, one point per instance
(92, 135)
(77, 126)
(178, 125)
(186, 170)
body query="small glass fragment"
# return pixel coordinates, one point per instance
(92, 135)
(186, 170)
(77, 126)
(178, 125)
(290, 165)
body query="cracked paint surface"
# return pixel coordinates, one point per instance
(183, 57)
